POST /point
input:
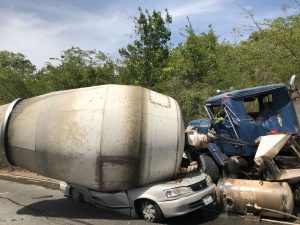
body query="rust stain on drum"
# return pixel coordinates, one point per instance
(159, 99)
(129, 160)
(143, 128)
(121, 176)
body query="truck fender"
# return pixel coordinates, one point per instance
(216, 154)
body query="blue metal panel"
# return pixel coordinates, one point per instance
(216, 154)
(247, 92)
(281, 119)
(202, 125)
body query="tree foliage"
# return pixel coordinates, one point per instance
(14, 68)
(146, 57)
(190, 72)
(75, 68)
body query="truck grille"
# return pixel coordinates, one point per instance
(199, 186)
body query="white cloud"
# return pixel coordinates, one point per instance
(42, 29)
(195, 8)
(40, 38)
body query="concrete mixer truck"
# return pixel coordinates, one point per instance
(115, 146)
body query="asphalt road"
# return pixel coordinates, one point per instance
(31, 204)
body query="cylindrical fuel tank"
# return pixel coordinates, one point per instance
(110, 137)
(235, 194)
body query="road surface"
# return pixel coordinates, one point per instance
(30, 204)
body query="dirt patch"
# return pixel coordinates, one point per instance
(20, 175)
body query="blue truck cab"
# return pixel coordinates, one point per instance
(237, 118)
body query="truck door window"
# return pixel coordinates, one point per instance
(252, 107)
(267, 98)
(267, 108)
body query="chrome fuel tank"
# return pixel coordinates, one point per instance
(110, 137)
(237, 194)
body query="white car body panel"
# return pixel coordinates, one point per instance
(124, 201)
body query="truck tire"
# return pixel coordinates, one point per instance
(208, 165)
(76, 195)
(150, 211)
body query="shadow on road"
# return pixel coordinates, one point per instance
(77, 212)
(66, 208)
(201, 216)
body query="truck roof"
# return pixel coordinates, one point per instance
(247, 92)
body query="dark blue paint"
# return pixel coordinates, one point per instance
(281, 119)
(247, 92)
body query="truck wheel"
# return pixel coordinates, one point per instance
(208, 165)
(76, 195)
(151, 211)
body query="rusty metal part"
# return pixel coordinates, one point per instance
(290, 175)
(198, 141)
(279, 222)
(193, 166)
(295, 97)
(295, 147)
(260, 209)
(273, 172)
(235, 194)
(236, 164)
(110, 137)
(268, 148)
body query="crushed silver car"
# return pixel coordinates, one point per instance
(153, 202)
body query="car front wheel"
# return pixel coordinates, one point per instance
(151, 211)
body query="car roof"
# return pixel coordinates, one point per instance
(247, 92)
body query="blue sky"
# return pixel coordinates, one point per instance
(43, 29)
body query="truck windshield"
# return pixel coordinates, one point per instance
(218, 111)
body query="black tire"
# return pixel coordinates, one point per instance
(76, 195)
(208, 165)
(150, 211)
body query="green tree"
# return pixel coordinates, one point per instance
(16, 63)
(145, 58)
(75, 68)
(189, 70)
(14, 68)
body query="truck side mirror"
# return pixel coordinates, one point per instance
(292, 82)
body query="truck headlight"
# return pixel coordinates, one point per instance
(175, 192)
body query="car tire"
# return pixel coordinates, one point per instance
(76, 195)
(208, 165)
(150, 211)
